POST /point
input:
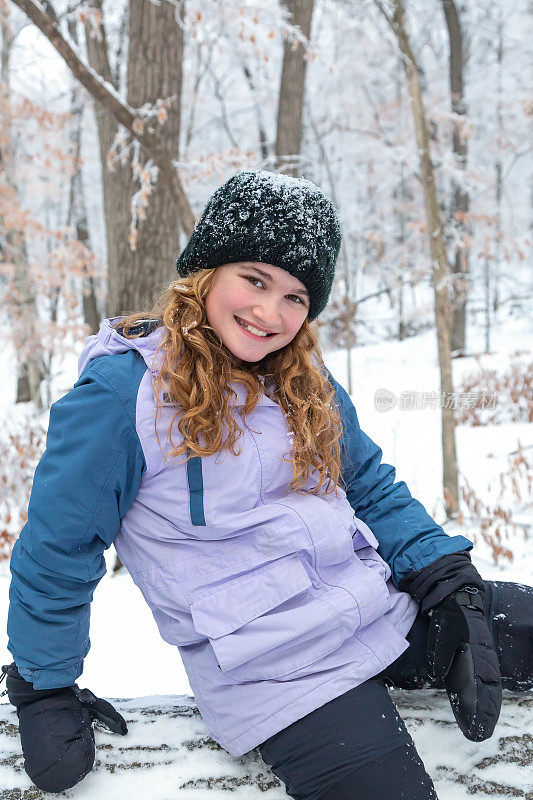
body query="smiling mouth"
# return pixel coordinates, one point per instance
(251, 330)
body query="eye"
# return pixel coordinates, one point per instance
(254, 280)
(257, 280)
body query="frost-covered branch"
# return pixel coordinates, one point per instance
(106, 95)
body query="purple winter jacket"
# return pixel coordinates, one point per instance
(277, 602)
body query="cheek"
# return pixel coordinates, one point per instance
(224, 301)
(296, 320)
(231, 298)
(238, 297)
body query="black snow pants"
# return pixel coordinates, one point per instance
(356, 747)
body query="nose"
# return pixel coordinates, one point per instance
(268, 312)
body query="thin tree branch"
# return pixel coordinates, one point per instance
(381, 8)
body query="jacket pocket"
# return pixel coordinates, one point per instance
(267, 623)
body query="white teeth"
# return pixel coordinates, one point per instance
(251, 329)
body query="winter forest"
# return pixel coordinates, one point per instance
(117, 122)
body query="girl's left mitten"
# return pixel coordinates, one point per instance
(460, 648)
(55, 732)
(461, 652)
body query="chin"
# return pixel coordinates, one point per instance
(248, 357)
(239, 354)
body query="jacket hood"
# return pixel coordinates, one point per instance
(109, 342)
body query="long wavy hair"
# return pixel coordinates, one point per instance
(197, 370)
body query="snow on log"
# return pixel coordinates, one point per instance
(169, 755)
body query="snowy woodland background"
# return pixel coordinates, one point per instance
(117, 122)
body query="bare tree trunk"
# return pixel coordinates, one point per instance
(199, 70)
(154, 71)
(437, 251)
(488, 310)
(498, 169)
(460, 204)
(116, 183)
(25, 321)
(77, 212)
(261, 127)
(77, 215)
(291, 93)
(399, 213)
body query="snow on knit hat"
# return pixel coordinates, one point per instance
(276, 219)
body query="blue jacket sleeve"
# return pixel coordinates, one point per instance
(408, 537)
(87, 478)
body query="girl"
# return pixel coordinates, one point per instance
(210, 444)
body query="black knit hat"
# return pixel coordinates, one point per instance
(277, 219)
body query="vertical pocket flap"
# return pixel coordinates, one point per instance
(363, 536)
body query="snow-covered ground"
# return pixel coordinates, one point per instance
(129, 660)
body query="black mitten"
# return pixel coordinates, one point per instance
(461, 653)
(460, 647)
(56, 731)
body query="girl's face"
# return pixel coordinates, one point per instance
(267, 298)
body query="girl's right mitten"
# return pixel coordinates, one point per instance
(56, 730)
